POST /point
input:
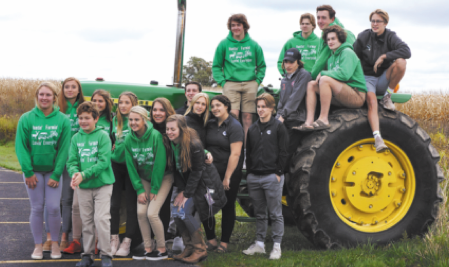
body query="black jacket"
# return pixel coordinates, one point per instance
(266, 147)
(369, 47)
(292, 104)
(182, 110)
(196, 122)
(194, 182)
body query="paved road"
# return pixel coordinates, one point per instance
(17, 244)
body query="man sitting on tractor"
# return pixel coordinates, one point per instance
(326, 17)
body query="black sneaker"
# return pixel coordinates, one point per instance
(157, 256)
(169, 237)
(86, 261)
(141, 255)
(106, 261)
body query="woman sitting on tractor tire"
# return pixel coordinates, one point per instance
(383, 65)
(342, 85)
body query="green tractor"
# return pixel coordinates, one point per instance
(338, 191)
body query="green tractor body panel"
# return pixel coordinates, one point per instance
(145, 93)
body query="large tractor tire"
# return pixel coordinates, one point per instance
(247, 206)
(343, 193)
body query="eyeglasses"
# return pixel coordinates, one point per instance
(377, 21)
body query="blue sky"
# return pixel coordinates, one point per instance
(135, 42)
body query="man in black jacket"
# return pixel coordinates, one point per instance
(191, 89)
(266, 149)
(383, 56)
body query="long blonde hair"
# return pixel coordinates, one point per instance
(205, 115)
(50, 86)
(141, 111)
(133, 99)
(188, 136)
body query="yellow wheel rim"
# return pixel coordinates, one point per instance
(372, 192)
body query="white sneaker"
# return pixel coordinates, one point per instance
(244, 159)
(387, 103)
(254, 248)
(178, 244)
(275, 254)
(125, 248)
(115, 244)
(379, 144)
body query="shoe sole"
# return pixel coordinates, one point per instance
(253, 253)
(56, 257)
(139, 258)
(37, 257)
(157, 259)
(199, 260)
(382, 149)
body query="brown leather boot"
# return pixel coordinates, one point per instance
(188, 249)
(200, 249)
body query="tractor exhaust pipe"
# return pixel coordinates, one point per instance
(179, 50)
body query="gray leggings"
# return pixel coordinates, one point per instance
(67, 202)
(44, 194)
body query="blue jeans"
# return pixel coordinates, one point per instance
(186, 216)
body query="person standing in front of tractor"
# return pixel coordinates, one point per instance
(146, 160)
(326, 18)
(161, 110)
(267, 150)
(197, 115)
(191, 89)
(224, 139)
(89, 166)
(102, 99)
(292, 105)
(71, 97)
(383, 55)
(199, 185)
(239, 67)
(42, 146)
(305, 41)
(342, 85)
(120, 129)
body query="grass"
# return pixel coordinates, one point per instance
(8, 158)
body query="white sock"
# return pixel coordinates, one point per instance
(260, 244)
(277, 245)
(389, 91)
(376, 133)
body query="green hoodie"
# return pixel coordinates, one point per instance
(146, 159)
(90, 154)
(42, 142)
(307, 47)
(344, 66)
(73, 117)
(238, 61)
(118, 155)
(324, 52)
(103, 122)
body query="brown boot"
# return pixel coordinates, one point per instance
(188, 250)
(200, 249)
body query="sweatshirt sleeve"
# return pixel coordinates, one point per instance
(348, 64)
(23, 150)
(358, 47)
(160, 161)
(261, 66)
(73, 163)
(104, 159)
(321, 61)
(63, 150)
(196, 172)
(281, 58)
(132, 169)
(299, 92)
(283, 149)
(400, 48)
(217, 65)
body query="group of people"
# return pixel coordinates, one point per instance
(177, 168)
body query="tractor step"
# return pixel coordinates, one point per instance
(398, 98)
(245, 219)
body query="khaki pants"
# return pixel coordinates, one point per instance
(95, 205)
(349, 97)
(148, 213)
(242, 92)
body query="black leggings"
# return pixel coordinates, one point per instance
(228, 211)
(122, 180)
